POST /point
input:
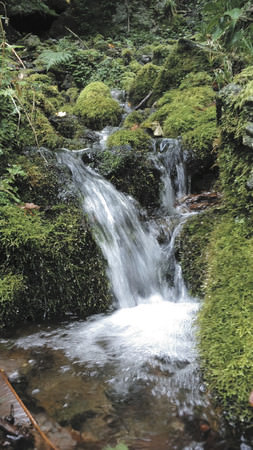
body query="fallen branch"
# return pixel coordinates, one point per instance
(144, 100)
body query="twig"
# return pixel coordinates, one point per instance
(33, 421)
(76, 35)
(144, 100)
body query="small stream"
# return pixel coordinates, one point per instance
(131, 375)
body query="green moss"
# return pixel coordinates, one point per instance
(226, 317)
(118, 447)
(193, 79)
(61, 269)
(191, 114)
(96, 106)
(143, 83)
(244, 76)
(39, 131)
(192, 246)
(11, 288)
(133, 119)
(181, 61)
(235, 157)
(137, 139)
(160, 53)
(235, 163)
(126, 165)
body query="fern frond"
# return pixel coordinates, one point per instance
(53, 58)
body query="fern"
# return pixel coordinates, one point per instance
(53, 58)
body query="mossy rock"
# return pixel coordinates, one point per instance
(160, 53)
(191, 114)
(55, 262)
(136, 139)
(178, 64)
(38, 132)
(143, 83)
(192, 249)
(225, 320)
(126, 164)
(96, 107)
(135, 118)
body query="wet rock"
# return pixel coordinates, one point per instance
(65, 124)
(198, 202)
(32, 41)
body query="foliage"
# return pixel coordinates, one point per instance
(229, 23)
(8, 191)
(226, 317)
(54, 58)
(27, 7)
(96, 106)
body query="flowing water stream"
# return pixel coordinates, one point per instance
(131, 375)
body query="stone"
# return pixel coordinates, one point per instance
(249, 129)
(247, 141)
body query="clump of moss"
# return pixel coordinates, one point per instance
(182, 60)
(193, 79)
(191, 114)
(38, 132)
(133, 119)
(96, 106)
(11, 288)
(137, 139)
(160, 52)
(143, 83)
(226, 316)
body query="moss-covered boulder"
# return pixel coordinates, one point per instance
(49, 267)
(96, 107)
(185, 57)
(191, 114)
(126, 164)
(135, 138)
(142, 85)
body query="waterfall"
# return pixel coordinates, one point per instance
(133, 255)
(135, 260)
(148, 341)
(169, 159)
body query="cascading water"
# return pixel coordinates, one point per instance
(153, 325)
(133, 255)
(132, 373)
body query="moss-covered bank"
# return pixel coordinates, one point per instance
(50, 265)
(226, 317)
(225, 339)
